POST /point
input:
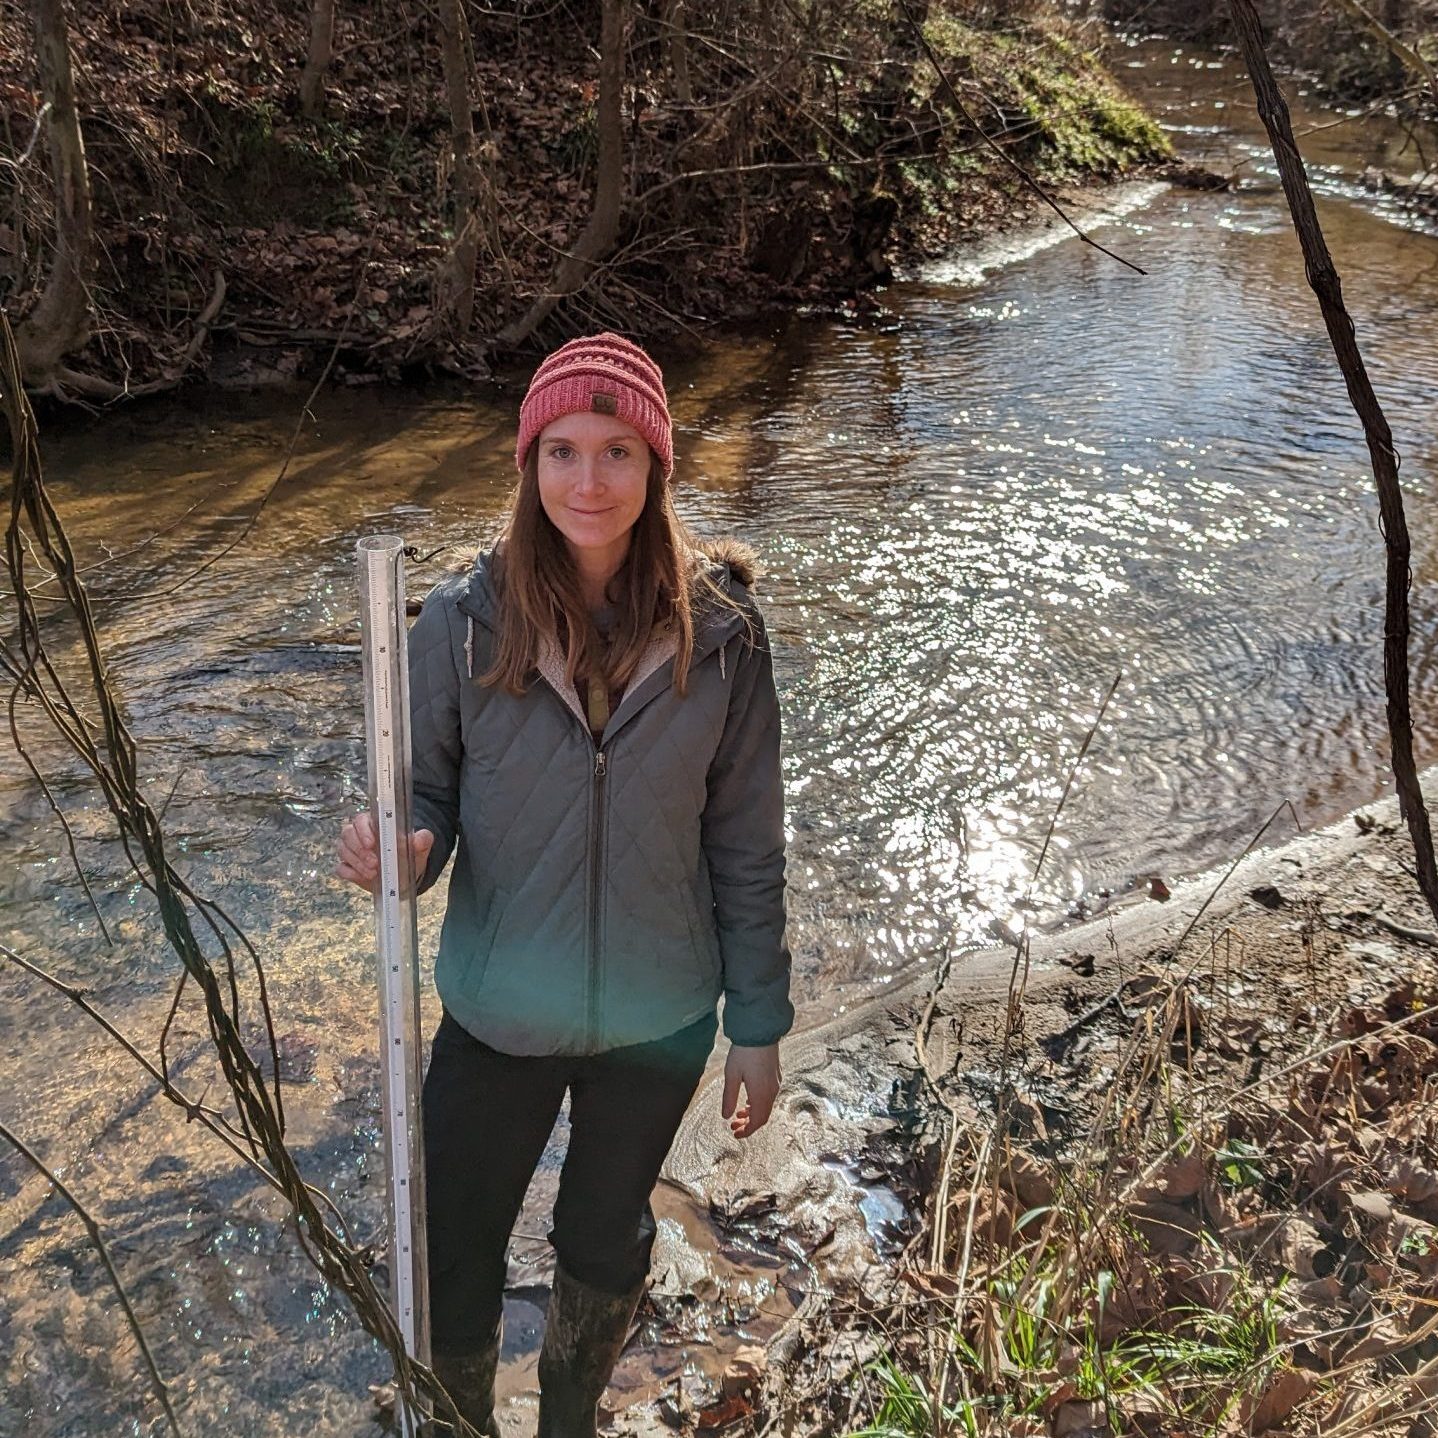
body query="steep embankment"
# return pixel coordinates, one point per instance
(802, 164)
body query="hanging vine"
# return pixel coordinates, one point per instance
(96, 732)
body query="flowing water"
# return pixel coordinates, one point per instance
(1035, 470)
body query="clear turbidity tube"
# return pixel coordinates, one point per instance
(387, 747)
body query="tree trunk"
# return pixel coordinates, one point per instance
(1323, 280)
(322, 40)
(454, 279)
(679, 52)
(60, 321)
(577, 267)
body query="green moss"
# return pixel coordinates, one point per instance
(1086, 121)
(1082, 120)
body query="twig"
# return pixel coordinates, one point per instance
(93, 1229)
(1323, 279)
(39, 125)
(1019, 971)
(107, 747)
(1213, 894)
(1408, 54)
(1417, 936)
(195, 1109)
(1090, 1014)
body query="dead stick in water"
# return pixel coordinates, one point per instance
(1323, 280)
(1019, 971)
(1213, 893)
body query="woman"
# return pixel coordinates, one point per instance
(596, 737)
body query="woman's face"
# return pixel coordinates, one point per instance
(593, 476)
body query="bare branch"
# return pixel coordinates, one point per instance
(1323, 279)
(93, 1229)
(1003, 154)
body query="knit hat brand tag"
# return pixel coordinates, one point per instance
(603, 403)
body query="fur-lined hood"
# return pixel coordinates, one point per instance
(741, 557)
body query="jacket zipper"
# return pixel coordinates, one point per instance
(596, 882)
(596, 869)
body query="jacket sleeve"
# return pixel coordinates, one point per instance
(743, 836)
(434, 729)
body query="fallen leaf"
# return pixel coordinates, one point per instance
(1287, 1390)
(1072, 1419)
(744, 1372)
(1373, 1208)
(936, 1285)
(1167, 1227)
(1183, 1178)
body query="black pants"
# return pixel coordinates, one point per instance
(487, 1118)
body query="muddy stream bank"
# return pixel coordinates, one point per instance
(1028, 470)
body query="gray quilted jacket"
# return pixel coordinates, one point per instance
(603, 893)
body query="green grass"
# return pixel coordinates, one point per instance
(1046, 1330)
(907, 1409)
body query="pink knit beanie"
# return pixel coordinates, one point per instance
(606, 373)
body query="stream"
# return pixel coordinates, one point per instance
(1032, 471)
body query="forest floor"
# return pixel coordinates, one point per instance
(796, 184)
(1213, 1207)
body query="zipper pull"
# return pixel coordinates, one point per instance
(600, 761)
(722, 647)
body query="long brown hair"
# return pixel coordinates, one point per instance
(539, 593)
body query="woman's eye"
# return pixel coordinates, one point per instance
(560, 451)
(618, 451)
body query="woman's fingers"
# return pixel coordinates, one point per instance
(731, 1090)
(358, 861)
(355, 875)
(358, 852)
(363, 861)
(757, 1073)
(760, 1109)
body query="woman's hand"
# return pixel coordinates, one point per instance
(359, 852)
(757, 1069)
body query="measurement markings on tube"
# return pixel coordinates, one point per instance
(382, 591)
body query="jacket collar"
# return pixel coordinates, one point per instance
(714, 625)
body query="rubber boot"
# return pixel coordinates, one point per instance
(469, 1380)
(584, 1333)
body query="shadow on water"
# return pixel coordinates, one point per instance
(974, 511)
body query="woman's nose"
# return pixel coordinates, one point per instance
(589, 476)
